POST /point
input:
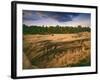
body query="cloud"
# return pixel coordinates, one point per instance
(58, 16)
(30, 15)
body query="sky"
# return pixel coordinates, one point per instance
(45, 18)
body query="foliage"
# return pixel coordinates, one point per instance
(53, 29)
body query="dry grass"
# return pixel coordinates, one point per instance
(57, 50)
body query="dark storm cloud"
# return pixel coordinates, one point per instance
(58, 16)
(30, 15)
(62, 16)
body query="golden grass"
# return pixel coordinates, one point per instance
(59, 50)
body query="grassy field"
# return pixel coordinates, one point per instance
(56, 50)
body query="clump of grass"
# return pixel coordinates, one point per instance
(83, 62)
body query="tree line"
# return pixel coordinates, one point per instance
(53, 29)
